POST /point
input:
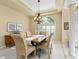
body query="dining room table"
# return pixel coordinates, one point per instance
(35, 40)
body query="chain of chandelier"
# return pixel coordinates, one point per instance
(38, 17)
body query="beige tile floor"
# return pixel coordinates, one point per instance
(57, 53)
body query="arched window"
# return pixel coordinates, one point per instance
(47, 26)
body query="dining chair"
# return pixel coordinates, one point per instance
(47, 45)
(23, 34)
(28, 34)
(22, 49)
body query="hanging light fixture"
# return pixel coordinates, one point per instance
(38, 17)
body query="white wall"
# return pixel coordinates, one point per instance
(68, 15)
(73, 36)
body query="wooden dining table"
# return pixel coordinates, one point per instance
(35, 40)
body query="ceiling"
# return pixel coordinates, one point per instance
(45, 5)
(29, 7)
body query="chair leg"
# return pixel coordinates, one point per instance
(21, 57)
(51, 49)
(35, 52)
(25, 57)
(48, 53)
(18, 56)
(39, 54)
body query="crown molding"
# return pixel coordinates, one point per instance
(41, 11)
(17, 6)
(50, 12)
(26, 4)
(26, 9)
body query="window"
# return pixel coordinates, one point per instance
(47, 26)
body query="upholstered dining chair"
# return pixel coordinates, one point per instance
(22, 49)
(28, 34)
(47, 45)
(23, 34)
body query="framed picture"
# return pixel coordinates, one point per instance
(19, 27)
(11, 27)
(66, 25)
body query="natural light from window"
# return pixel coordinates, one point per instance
(47, 26)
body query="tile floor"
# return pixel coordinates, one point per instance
(57, 53)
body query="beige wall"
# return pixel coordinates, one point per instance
(65, 18)
(9, 15)
(58, 22)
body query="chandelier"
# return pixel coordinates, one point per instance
(38, 17)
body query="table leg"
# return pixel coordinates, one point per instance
(36, 50)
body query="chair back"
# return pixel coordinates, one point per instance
(23, 34)
(28, 34)
(20, 44)
(50, 39)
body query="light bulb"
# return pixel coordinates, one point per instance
(40, 17)
(35, 18)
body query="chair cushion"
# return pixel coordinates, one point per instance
(30, 49)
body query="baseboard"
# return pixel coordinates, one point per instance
(2, 47)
